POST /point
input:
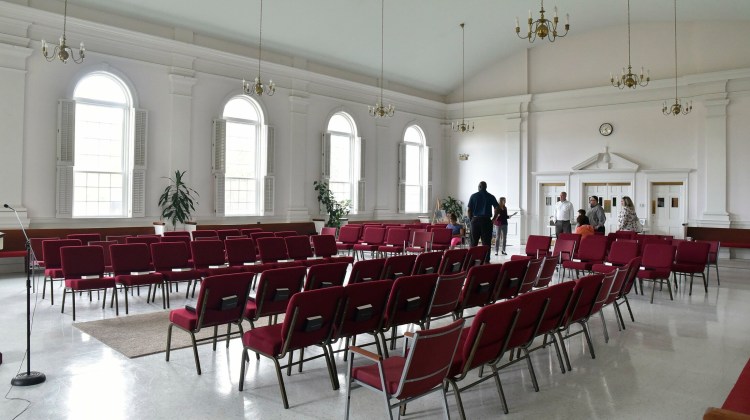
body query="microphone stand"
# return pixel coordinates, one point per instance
(27, 378)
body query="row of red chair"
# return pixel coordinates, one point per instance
(357, 240)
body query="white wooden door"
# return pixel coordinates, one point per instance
(610, 197)
(667, 201)
(549, 196)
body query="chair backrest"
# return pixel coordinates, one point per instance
(476, 256)
(148, 240)
(85, 238)
(695, 253)
(51, 251)
(479, 287)
(271, 249)
(366, 270)
(626, 234)
(129, 258)
(644, 240)
(285, 233)
(533, 308)
(633, 267)
(364, 307)
(224, 233)
(546, 272)
(617, 283)
(585, 293)
(531, 274)
(621, 252)
(658, 256)
(211, 304)
(564, 249)
(575, 237)
(320, 276)
(453, 261)
(105, 248)
(409, 300)
(429, 359)
(421, 239)
(208, 253)
(239, 251)
(37, 248)
(537, 245)
(298, 247)
(275, 289)
(249, 231)
(328, 231)
(183, 239)
(374, 235)
(349, 234)
(120, 239)
(560, 298)
(258, 235)
(593, 248)
(204, 233)
(310, 318)
(82, 260)
(713, 251)
(441, 237)
(176, 233)
(427, 262)
(324, 245)
(488, 335)
(603, 295)
(447, 294)
(169, 255)
(397, 237)
(511, 273)
(397, 266)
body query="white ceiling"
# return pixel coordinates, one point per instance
(422, 40)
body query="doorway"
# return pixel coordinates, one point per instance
(610, 198)
(549, 195)
(667, 208)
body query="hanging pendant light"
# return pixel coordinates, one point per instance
(463, 126)
(677, 107)
(257, 86)
(543, 27)
(629, 79)
(63, 52)
(380, 110)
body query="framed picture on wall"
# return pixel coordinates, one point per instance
(675, 202)
(607, 206)
(660, 202)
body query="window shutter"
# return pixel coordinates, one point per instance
(269, 181)
(426, 206)
(66, 119)
(361, 185)
(138, 181)
(270, 151)
(218, 163)
(268, 187)
(325, 166)
(401, 178)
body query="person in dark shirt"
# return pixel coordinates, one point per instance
(482, 209)
(501, 226)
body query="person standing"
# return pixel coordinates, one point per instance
(501, 226)
(564, 214)
(627, 219)
(480, 211)
(596, 214)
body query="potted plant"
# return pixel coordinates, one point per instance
(178, 201)
(452, 205)
(336, 210)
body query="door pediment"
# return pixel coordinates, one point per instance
(606, 161)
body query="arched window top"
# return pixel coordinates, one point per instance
(243, 108)
(103, 87)
(342, 122)
(415, 135)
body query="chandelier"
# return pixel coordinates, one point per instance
(677, 107)
(380, 110)
(257, 86)
(629, 79)
(63, 52)
(463, 126)
(542, 27)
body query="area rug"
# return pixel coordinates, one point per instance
(141, 335)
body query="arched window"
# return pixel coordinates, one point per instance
(240, 156)
(343, 160)
(414, 172)
(101, 150)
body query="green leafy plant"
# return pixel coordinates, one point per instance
(336, 210)
(452, 205)
(177, 202)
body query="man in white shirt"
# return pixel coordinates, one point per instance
(564, 214)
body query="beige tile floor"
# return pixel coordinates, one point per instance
(678, 358)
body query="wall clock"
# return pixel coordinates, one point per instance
(606, 129)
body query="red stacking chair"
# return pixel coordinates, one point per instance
(131, 264)
(276, 287)
(184, 239)
(421, 370)
(441, 239)
(531, 275)
(249, 231)
(325, 247)
(148, 240)
(592, 251)
(83, 269)
(321, 276)
(421, 241)
(483, 344)
(372, 238)
(408, 303)
(85, 238)
(203, 233)
(395, 241)
(427, 262)
(453, 261)
(479, 287)
(446, 297)
(626, 234)
(622, 297)
(348, 237)
(225, 233)
(120, 239)
(537, 246)
(477, 255)
(240, 252)
(560, 297)
(366, 270)
(285, 233)
(585, 295)
(53, 264)
(273, 250)
(38, 250)
(546, 272)
(328, 231)
(363, 312)
(209, 258)
(691, 259)
(621, 274)
(105, 250)
(620, 254)
(713, 259)
(575, 237)
(563, 251)
(657, 266)
(511, 273)
(176, 233)
(221, 301)
(309, 321)
(298, 248)
(400, 265)
(171, 260)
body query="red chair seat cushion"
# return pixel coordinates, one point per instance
(266, 340)
(361, 247)
(137, 280)
(54, 273)
(344, 247)
(687, 268)
(205, 272)
(602, 268)
(391, 248)
(89, 284)
(184, 318)
(180, 275)
(370, 374)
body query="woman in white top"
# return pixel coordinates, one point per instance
(627, 219)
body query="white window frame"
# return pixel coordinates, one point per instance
(357, 158)
(425, 171)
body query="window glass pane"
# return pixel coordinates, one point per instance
(241, 108)
(242, 157)
(241, 145)
(341, 190)
(340, 158)
(413, 201)
(412, 164)
(413, 135)
(99, 138)
(101, 87)
(240, 196)
(98, 194)
(341, 124)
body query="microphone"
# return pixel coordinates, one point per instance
(8, 207)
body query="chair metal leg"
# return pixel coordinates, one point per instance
(564, 351)
(557, 351)
(627, 303)
(245, 360)
(604, 326)
(499, 386)
(531, 369)
(457, 395)
(705, 281)
(229, 332)
(718, 282)
(301, 359)
(169, 339)
(126, 300)
(331, 370)
(117, 304)
(445, 402)
(670, 290)
(195, 353)
(347, 401)
(281, 382)
(289, 364)
(618, 317)
(586, 333)
(74, 303)
(216, 333)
